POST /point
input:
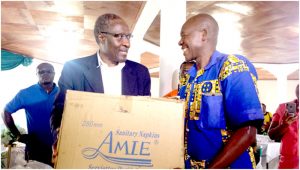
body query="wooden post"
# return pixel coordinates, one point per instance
(8, 155)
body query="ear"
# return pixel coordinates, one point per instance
(101, 37)
(204, 34)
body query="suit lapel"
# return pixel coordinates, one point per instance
(93, 74)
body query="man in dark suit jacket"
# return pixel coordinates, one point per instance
(90, 73)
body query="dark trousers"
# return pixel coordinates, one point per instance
(36, 150)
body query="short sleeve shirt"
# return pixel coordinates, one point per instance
(219, 98)
(38, 105)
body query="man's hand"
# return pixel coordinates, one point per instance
(278, 129)
(54, 149)
(288, 119)
(23, 138)
(54, 152)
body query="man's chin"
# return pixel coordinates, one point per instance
(189, 58)
(122, 59)
(47, 83)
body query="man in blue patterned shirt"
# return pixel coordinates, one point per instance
(223, 110)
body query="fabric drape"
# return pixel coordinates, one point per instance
(11, 60)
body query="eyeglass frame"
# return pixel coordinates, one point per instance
(41, 72)
(119, 36)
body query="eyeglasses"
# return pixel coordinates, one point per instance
(45, 71)
(119, 36)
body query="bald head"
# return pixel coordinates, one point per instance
(205, 22)
(199, 36)
(42, 65)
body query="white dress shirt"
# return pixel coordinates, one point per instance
(111, 77)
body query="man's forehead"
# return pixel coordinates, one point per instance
(189, 26)
(117, 22)
(44, 66)
(118, 25)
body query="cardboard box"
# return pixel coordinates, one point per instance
(101, 131)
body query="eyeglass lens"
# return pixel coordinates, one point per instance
(45, 71)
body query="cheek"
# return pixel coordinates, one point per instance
(110, 46)
(114, 47)
(196, 43)
(197, 40)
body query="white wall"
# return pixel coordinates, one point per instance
(268, 93)
(154, 87)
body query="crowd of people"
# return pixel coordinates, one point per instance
(223, 112)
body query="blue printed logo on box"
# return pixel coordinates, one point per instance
(128, 148)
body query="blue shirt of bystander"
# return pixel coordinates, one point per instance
(38, 105)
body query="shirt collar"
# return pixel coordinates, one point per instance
(42, 89)
(213, 60)
(193, 70)
(101, 63)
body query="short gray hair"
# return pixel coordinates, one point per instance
(103, 22)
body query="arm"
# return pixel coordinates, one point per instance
(240, 140)
(14, 105)
(266, 127)
(55, 121)
(277, 129)
(10, 124)
(56, 114)
(243, 109)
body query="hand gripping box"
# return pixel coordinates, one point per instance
(101, 131)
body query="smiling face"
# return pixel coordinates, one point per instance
(191, 41)
(114, 49)
(199, 38)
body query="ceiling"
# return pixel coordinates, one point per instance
(269, 31)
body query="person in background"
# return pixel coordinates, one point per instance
(223, 110)
(285, 128)
(184, 68)
(37, 100)
(262, 131)
(107, 71)
(267, 121)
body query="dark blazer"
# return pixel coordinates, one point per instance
(84, 74)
